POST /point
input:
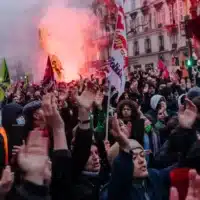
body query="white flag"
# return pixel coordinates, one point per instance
(119, 54)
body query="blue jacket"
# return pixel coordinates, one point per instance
(121, 186)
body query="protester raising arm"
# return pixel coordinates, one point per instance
(122, 170)
(130, 177)
(32, 159)
(61, 160)
(83, 135)
(54, 120)
(181, 139)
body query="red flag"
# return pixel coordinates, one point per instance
(163, 69)
(48, 74)
(161, 66)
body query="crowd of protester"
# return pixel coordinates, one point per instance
(54, 143)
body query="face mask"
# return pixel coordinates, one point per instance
(20, 120)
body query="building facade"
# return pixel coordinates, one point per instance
(100, 41)
(154, 30)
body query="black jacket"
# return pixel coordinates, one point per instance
(86, 187)
(29, 191)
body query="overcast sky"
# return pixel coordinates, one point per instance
(18, 25)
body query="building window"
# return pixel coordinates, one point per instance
(150, 20)
(136, 48)
(155, 19)
(135, 25)
(161, 18)
(173, 13)
(147, 44)
(161, 42)
(146, 22)
(133, 4)
(181, 9)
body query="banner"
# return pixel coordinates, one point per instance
(118, 60)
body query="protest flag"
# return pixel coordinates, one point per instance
(4, 74)
(118, 60)
(48, 79)
(26, 80)
(57, 67)
(163, 69)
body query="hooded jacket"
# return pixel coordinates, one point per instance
(87, 185)
(122, 186)
(154, 103)
(155, 100)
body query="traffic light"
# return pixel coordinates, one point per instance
(191, 62)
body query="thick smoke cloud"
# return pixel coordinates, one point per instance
(19, 22)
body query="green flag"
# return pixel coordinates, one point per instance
(26, 80)
(4, 74)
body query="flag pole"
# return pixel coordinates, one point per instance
(108, 107)
(109, 90)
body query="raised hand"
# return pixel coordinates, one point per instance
(187, 116)
(6, 181)
(194, 186)
(193, 189)
(87, 97)
(126, 129)
(32, 158)
(63, 96)
(120, 133)
(15, 151)
(99, 99)
(51, 113)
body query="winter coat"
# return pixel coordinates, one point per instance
(87, 185)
